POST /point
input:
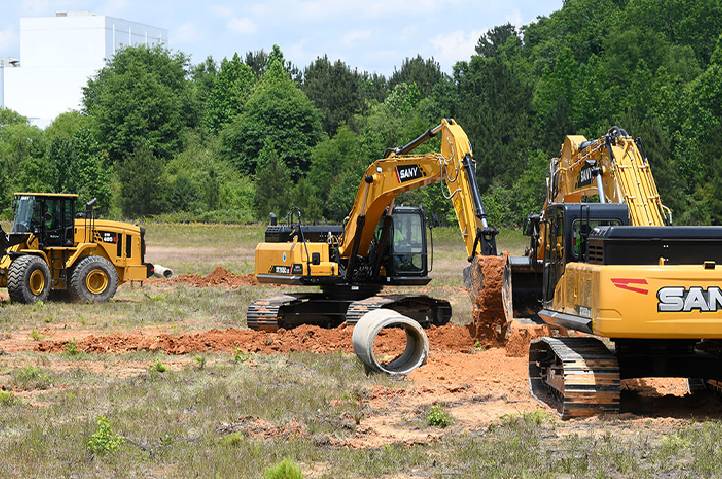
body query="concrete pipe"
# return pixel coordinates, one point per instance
(370, 325)
(162, 272)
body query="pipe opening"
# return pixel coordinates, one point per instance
(390, 324)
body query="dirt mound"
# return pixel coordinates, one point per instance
(303, 338)
(257, 428)
(486, 280)
(218, 277)
(519, 335)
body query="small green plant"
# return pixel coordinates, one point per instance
(286, 469)
(233, 439)
(7, 398)
(31, 377)
(72, 348)
(35, 335)
(239, 356)
(158, 367)
(201, 361)
(437, 417)
(104, 440)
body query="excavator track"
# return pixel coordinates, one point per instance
(290, 310)
(264, 314)
(576, 376)
(427, 311)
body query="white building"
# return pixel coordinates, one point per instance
(57, 56)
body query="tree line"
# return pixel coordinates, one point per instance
(231, 141)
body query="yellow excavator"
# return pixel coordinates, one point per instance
(379, 244)
(643, 297)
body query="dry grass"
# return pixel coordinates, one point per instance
(192, 421)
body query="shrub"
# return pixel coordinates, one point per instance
(158, 367)
(437, 417)
(104, 440)
(7, 398)
(286, 469)
(31, 377)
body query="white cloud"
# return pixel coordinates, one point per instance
(185, 33)
(355, 36)
(451, 47)
(241, 25)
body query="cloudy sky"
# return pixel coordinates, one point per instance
(374, 35)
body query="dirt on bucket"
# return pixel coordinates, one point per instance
(488, 325)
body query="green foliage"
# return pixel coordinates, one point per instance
(7, 398)
(72, 348)
(80, 166)
(230, 90)
(279, 112)
(31, 377)
(438, 417)
(201, 361)
(239, 356)
(143, 183)
(104, 441)
(286, 469)
(141, 98)
(335, 89)
(273, 183)
(158, 367)
(425, 74)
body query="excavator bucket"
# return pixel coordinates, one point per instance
(483, 279)
(522, 289)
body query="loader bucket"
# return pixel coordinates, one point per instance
(522, 289)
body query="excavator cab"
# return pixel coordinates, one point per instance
(408, 243)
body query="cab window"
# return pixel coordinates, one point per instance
(408, 245)
(579, 234)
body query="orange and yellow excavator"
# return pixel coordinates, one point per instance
(379, 244)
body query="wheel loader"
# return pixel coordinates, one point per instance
(640, 297)
(50, 248)
(379, 244)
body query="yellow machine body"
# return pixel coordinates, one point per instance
(629, 301)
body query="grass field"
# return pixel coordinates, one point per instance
(234, 414)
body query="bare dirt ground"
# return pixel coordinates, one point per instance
(237, 400)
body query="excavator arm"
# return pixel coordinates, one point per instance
(400, 171)
(614, 169)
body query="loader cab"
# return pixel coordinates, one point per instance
(409, 256)
(50, 217)
(568, 226)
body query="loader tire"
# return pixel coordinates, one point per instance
(29, 279)
(93, 280)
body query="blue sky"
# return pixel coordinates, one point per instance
(373, 35)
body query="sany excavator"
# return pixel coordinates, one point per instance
(379, 244)
(604, 262)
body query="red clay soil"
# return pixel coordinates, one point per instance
(488, 322)
(218, 277)
(303, 338)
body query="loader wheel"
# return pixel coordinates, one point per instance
(94, 280)
(28, 279)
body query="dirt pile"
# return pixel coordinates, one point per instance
(486, 278)
(257, 428)
(520, 334)
(303, 338)
(218, 277)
